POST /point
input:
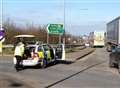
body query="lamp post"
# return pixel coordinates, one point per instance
(64, 22)
(1, 10)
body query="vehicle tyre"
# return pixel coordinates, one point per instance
(111, 64)
(119, 66)
(43, 63)
(109, 48)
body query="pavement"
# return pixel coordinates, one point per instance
(73, 56)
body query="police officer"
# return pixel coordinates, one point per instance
(18, 53)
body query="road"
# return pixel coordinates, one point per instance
(91, 71)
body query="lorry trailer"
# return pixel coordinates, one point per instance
(113, 33)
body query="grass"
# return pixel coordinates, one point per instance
(70, 50)
(9, 50)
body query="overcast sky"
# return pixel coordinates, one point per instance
(81, 16)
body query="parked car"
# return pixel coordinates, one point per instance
(45, 54)
(114, 60)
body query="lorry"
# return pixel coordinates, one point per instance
(113, 34)
(97, 39)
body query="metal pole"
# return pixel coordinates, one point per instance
(1, 10)
(47, 38)
(64, 23)
(59, 38)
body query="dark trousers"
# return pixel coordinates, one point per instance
(19, 59)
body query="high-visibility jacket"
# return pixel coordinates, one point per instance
(41, 54)
(19, 50)
(48, 55)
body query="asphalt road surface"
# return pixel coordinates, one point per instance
(91, 71)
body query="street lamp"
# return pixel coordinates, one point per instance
(64, 22)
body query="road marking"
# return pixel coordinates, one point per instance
(87, 57)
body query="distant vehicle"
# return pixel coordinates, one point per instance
(97, 38)
(113, 34)
(114, 60)
(87, 44)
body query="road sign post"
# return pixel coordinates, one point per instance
(59, 39)
(2, 34)
(47, 38)
(2, 39)
(0, 47)
(55, 29)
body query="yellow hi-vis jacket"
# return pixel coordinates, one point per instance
(40, 54)
(19, 50)
(48, 55)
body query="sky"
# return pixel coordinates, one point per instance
(80, 17)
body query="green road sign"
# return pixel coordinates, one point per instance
(55, 28)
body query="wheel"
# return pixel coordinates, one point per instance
(43, 63)
(119, 66)
(111, 64)
(109, 48)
